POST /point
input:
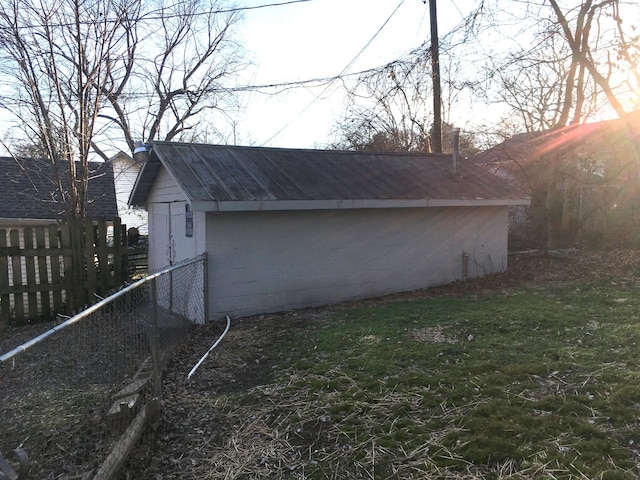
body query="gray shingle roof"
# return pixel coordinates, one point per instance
(214, 173)
(27, 192)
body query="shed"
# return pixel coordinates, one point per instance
(293, 228)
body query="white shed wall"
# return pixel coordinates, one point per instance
(273, 261)
(168, 243)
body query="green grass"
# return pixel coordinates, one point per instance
(539, 383)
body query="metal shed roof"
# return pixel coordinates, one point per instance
(215, 177)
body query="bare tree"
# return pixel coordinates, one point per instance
(610, 75)
(387, 109)
(89, 77)
(390, 103)
(579, 61)
(55, 59)
(540, 88)
(165, 82)
(584, 49)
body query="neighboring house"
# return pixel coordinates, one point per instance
(28, 194)
(125, 172)
(582, 179)
(286, 228)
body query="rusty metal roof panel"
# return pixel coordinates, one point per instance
(216, 173)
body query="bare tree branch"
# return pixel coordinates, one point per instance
(90, 78)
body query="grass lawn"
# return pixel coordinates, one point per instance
(540, 382)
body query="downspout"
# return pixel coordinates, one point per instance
(455, 152)
(456, 149)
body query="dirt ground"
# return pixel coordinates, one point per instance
(191, 423)
(195, 418)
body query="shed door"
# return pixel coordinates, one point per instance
(160, 237)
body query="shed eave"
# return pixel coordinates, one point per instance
(274, 205)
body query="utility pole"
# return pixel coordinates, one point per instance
(436, 139)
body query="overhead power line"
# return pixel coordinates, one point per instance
(155, 16)
(266, 5)
(340, 75)
(259, 88)
(320, 81)
(161, 15)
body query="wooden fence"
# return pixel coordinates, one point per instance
(138, 260)
(59, 268)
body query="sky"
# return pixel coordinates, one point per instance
(320, 39)
(300, 40)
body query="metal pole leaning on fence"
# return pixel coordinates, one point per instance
(154, 341)
(151, 335)
(85, 313)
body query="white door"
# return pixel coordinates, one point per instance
(160, 237)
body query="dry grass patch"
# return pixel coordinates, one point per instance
(429, 335)
(500, 387)
(538, 380)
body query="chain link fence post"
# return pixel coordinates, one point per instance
(154, 341)
(205, 285)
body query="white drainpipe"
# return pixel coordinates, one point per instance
(456, 148)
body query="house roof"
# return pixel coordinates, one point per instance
(27, 190)
(216, 178)
(530, 146)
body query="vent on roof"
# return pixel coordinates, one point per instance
(141, 153)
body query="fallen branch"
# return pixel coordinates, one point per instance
(128, 440)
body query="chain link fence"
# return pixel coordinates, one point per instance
(77, 398)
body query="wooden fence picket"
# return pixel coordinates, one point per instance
(43, 273)
(30, 267)
(5, 310)
(56, 278)
(121, 251)
(91, 284)
(16, 273)
(103, 256)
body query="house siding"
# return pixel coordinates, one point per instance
(303, 252)
(125, 172)
(273, 261)
(168, 244)
(164, 193)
